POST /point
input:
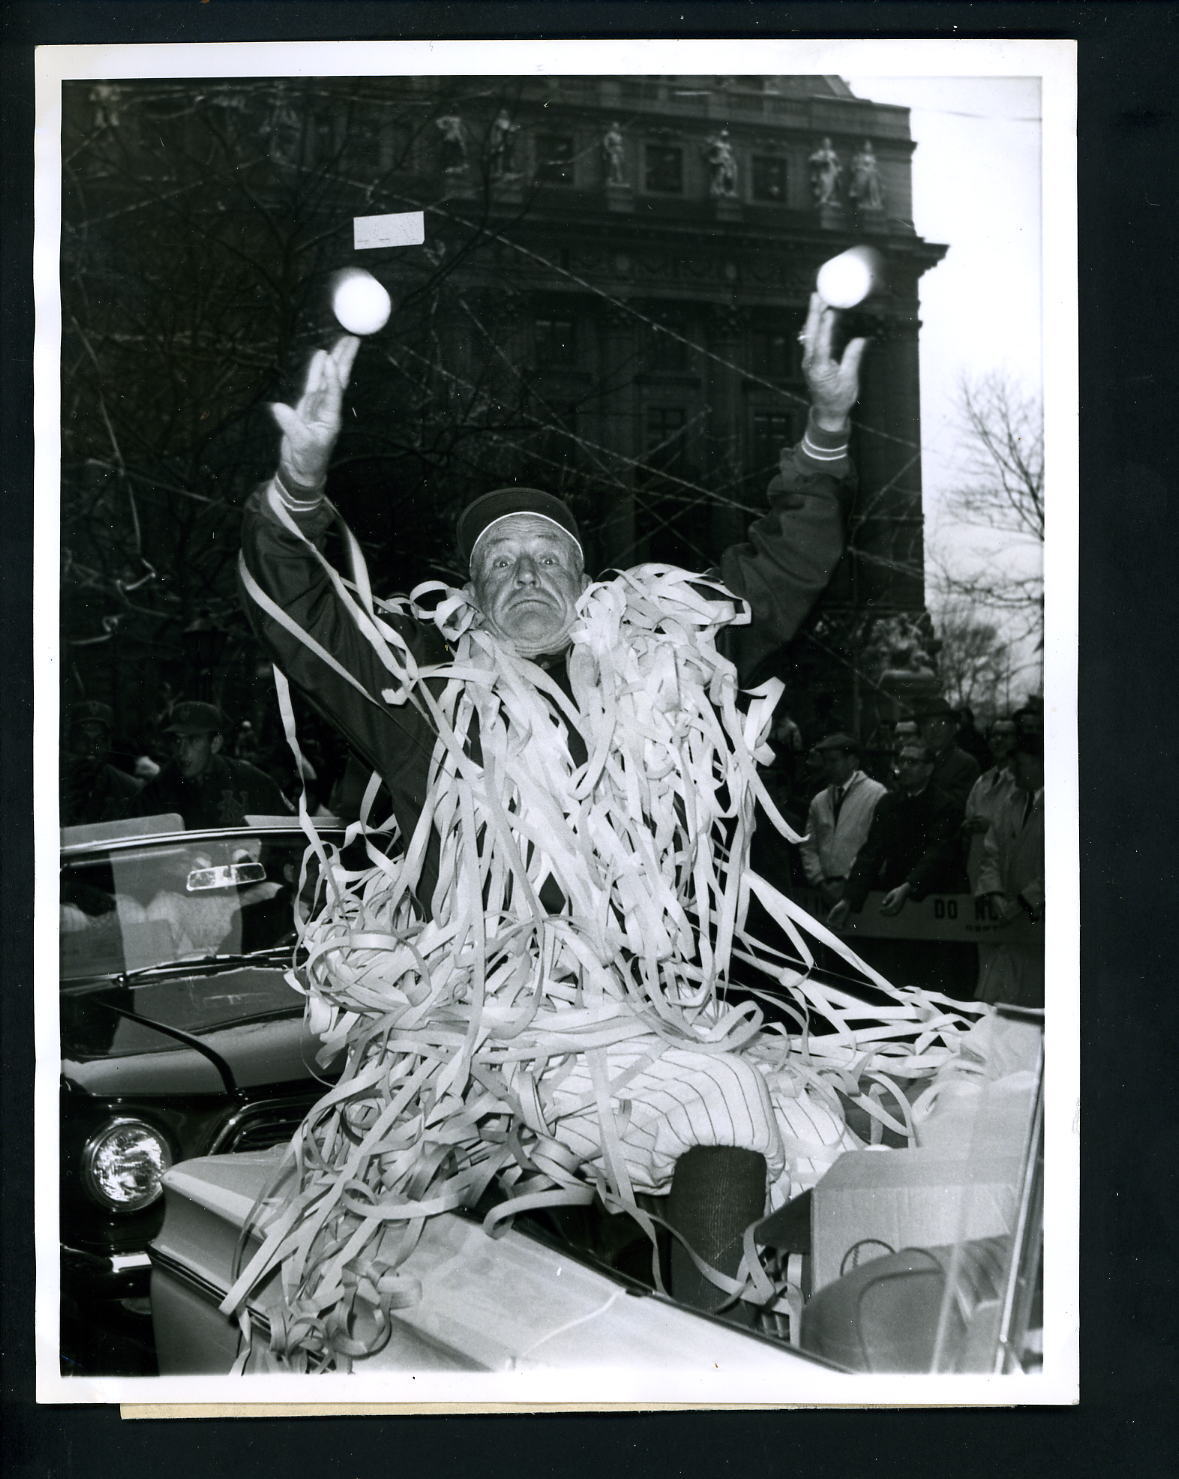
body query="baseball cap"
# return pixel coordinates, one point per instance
(501, 503)
(193, 717)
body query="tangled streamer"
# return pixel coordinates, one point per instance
(593, 888)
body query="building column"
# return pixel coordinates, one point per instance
(726, 466)
(618, 414)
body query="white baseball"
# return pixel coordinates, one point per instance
(360, 302)
(846, 280)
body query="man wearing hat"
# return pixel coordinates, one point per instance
(383, 673)
(839, 816)
(207, 787)
(954, 771)
(522, 549)
(92, 789)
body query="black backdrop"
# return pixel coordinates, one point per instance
(1127, 1420)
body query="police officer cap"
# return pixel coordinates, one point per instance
(501, 503)
(192, 717)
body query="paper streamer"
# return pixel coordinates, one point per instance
(580, 905)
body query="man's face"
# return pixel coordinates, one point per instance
(913, 769)
(526, 576)
(838, 766)
(937, 731)
(1029, 771)
(90, 739)
(1001, 740)
(192, 753)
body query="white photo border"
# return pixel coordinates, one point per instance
(1054, 62)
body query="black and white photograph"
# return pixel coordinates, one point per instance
(556, 708)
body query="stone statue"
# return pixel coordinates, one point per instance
(106, 97)
(503, 144)
(865, 187)
(723, 164)
(613, 155)
(453, 150)
(897, 647)
(825, 172)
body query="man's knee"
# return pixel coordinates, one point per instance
(724, 1101)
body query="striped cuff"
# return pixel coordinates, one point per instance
(298, 499)
(823, 447)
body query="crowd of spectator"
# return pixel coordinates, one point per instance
(198, 767)
(947, 812)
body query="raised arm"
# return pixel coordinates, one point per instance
(788, 558)
(291, 597)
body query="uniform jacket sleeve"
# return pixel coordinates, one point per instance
(790, 553)
(286, 570)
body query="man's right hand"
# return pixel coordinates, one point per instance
(310, 427)
(832, 890)
(838, 916)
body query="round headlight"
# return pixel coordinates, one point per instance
(123, 1165)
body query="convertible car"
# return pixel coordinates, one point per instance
(180, 1036)
(914, 1258)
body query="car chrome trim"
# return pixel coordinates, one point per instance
(111, 1263)
(291, 828)
(164, 1263)
(125, 1263)
(257, 1109)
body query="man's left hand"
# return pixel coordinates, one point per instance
(834, 384)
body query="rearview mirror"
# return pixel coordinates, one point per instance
(227, 875)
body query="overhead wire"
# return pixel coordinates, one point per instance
(675, 489)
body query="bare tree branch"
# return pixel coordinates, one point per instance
(1002, 494)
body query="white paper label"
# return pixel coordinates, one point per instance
(403, 228)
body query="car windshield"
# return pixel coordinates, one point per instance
(152, 902)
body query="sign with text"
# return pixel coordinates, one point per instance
(958, 917)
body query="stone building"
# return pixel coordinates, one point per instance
(656, 240)
(607, 301)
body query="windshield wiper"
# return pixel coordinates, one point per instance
(209, 963)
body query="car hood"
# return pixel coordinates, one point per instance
(192, 1032)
